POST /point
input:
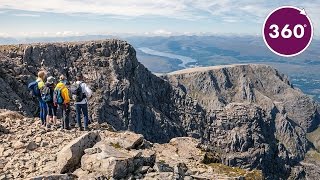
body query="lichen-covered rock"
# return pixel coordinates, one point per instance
(70, 156)
(127, 140)
(111, 162)
(115, 157)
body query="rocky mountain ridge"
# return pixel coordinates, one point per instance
(29, 151)
(249, 115)
(278, 125)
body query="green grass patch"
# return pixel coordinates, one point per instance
(116, 145)
(235, 171)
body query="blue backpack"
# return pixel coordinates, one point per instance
(34, 88)
(57, 97)
(46, 94)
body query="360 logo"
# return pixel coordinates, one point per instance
(287, 31)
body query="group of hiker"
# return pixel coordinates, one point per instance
(56, 96)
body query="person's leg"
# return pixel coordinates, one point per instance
(54, 115)
(61, 109)
(86, 115)
(66, 114)
(49, 114)
(43, 113)
(54, 121)
(48, 119)
(45, 109)
(40, 113)
(78, 115)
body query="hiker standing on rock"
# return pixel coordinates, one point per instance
(36, 87)
(47, 96)
(81, 93)
(62, 99)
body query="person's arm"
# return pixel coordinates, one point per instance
(88, 91)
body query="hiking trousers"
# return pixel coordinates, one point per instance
(52, 109)
(82, 109)
(43, 111)
(65, 111)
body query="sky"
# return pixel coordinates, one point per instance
(44, 18)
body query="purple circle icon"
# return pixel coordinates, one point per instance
(287, 31)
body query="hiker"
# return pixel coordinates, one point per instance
(81, 93)
(62, 99)
(36, 87)
(47, 96)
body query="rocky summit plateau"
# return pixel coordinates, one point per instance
(244, 121)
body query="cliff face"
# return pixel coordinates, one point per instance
(250, 115)
(215, 87)
(256, 114)
(126, 94)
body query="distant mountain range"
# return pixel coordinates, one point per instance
(165, 54)
(303, 70)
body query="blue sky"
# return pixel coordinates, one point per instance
(33, 18)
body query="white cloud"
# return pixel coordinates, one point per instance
(182, 9)
(4, 34)
(27, 15)
(117, 8)
(231, 19)
(228, 10)
(162, 32)
(67, 33)
(43, 34)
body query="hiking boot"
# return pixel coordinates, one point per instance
(80, 129)
(87, 129)
(68, 128)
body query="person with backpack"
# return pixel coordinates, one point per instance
(36, 87)
(47, 96)
(81, 93)
(62, 99)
